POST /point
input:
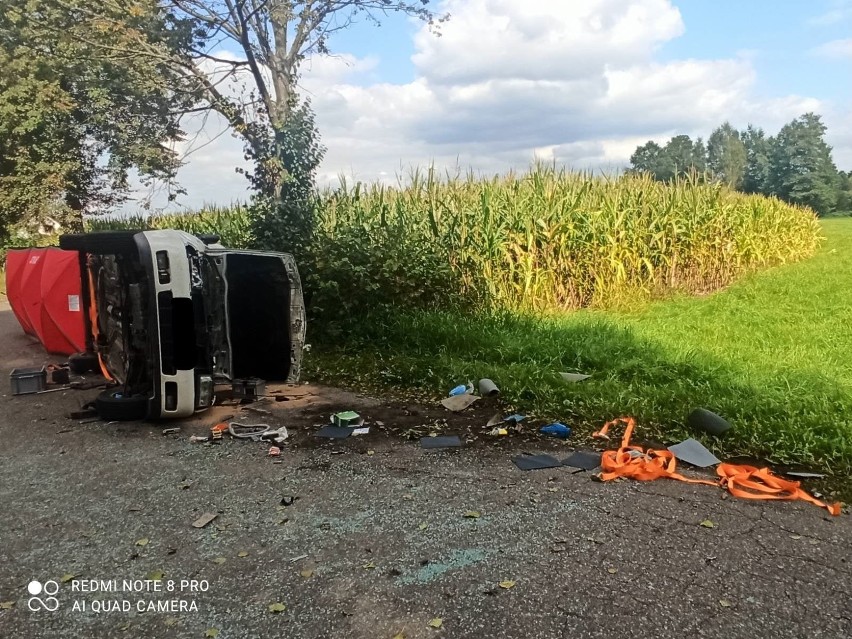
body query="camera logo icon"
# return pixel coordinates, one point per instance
(48, 602)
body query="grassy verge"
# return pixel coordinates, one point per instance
(772, 353)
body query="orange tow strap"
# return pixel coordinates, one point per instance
(746, 482)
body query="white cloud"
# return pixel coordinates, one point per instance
(510, 80)
(835, 49)
(840, 11)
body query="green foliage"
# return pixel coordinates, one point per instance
(761, 353)
(801, 168)
(79, 108)
(543, 241)
(550, 240)
(232, 224)
(282, 214)
(726, 156)
(679, 158)
(757, 169)
(796, 165)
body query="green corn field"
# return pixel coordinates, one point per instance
(554, 240)
(546, 240)
(231, 223)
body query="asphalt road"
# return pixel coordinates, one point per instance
(376, 542)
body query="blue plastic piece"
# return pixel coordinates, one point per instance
(458, 390)
(515, 418)
(556, 430)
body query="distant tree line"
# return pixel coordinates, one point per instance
(794, 165)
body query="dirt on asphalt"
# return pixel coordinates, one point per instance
(373, 536)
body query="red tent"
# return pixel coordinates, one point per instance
(44, 290)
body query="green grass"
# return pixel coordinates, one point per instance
(772, 353)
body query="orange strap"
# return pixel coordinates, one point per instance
(93, 319)
(636, 462)
(746, 482)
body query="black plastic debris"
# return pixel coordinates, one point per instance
(447, 441)
(708, 421)
(583, 459)
(334, 432)
(536, 462)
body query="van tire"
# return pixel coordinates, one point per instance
(114, 405)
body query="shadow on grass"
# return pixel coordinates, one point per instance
(788, 417)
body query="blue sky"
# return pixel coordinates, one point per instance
(777, 36)
(577, 82)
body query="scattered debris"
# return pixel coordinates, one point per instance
(708, 421)
(277, 607)
(495, 419)
(472, 514)
(273, 451)
(171, 431)
(347, 419)
(449, 441)
(583, 459)
(299, 558)
(461, 389)
(205, 519)
(196, 439)
(142, 542)
(536, 462)
(612, 571)
(458, 403)
(364, 430)
(556, 429)
(287, 500)
(334, 432)
(488, 388)
(250, 388)
(211, 633)
(243, 553)
(497, 432)
(515, 419)
(506, 585)
(746, 482)
(307, 574)
(707, 524)
(58, 375)
(572, 378)
(694, 452)
(219, 560)
(437, 622)
(804, 475)
(218, 431)
(253, 432)
(278, 435)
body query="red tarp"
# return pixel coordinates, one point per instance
(44, 290)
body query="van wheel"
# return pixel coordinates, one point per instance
(115, 405)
